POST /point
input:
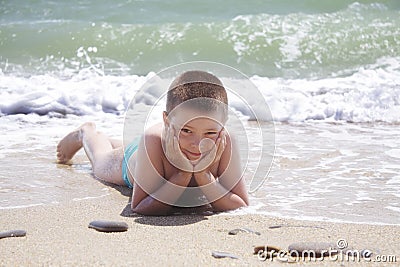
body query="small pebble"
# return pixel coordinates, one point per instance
(109, 226)
(275, 226)
(12, 233)
(245, 230)
(220, 254)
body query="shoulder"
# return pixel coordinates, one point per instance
(150, 151)
(151, 142)
(152, 135)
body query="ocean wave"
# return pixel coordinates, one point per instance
(369, 95)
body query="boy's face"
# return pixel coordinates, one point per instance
(195, 131)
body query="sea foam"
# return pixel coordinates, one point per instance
(368, 95)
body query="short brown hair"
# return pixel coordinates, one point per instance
(198, 84)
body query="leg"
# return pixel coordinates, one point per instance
(116, 143)
(106, 161)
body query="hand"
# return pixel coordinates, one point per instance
(213, 155)
(173, 152)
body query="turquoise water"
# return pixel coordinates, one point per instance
(292, 39)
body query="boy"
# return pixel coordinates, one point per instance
(188, 160)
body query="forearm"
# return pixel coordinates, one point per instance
(160, 202)
(151, 206)
(221, 198)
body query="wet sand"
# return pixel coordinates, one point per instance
(59, 235)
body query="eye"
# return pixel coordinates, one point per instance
(184, 130)
(211, 133)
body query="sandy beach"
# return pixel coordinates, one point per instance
(328, 171)
(59, 235)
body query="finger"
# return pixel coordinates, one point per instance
(175, 139)
(168, 139)
(164, 140)
(219, 150)
(221, 147)
(164, 134)
(222, 132)
(176, 144)
(221, 139)
(177, 149)
(205, 162)
(172, 129)
(215, 145)
(182, 161)
(172, 143)
(224, 140)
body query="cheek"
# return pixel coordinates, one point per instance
(214, 138)
(183, 140)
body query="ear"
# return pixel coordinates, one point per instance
(165, 118)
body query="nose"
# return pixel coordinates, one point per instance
(206, 144)
(201, 143)
(195, 142)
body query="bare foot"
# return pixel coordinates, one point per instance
(70, 144)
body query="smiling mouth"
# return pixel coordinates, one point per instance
(192, 155)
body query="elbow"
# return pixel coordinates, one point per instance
(140, 212)
(245, 199)
(149, 210)
(146, 212)
(138, 207)
(230, 207)
(243, 204)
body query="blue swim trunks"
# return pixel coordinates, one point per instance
(128, 152)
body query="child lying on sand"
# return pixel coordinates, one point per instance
(189, 150)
